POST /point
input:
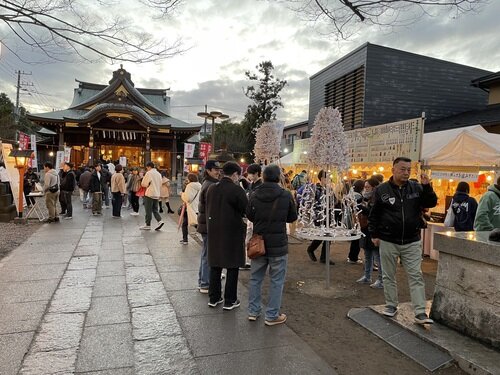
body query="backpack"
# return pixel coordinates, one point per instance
(296, 183)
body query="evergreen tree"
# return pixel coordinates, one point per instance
(8, 123)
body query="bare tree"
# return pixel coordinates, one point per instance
(65, 30)
(345, 17)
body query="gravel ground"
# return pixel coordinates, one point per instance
(12, 235)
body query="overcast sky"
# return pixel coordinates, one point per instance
(226, 37)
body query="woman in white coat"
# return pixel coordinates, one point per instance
(165, 193)
(190, 198)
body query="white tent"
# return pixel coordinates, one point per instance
(468, 146)
(287, 159)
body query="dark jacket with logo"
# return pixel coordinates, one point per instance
(202, 217)
(464, 208)
(396, 215)
(272, 224)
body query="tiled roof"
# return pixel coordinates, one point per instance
(490, 115)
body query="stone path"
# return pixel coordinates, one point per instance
(94, 295)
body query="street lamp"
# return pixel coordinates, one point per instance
(212, 116)
(21, 160)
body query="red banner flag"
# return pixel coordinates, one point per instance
(205, 149)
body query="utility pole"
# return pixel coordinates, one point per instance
(18, 87)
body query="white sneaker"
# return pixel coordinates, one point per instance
(134, 214)
(160, 224)
(145, 227)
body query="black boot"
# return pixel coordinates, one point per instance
(161, 208)
(170, 211)
(311, 255)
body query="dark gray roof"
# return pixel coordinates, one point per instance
(486, 81)
(488, 116)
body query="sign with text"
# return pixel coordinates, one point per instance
(123, 161)
(34, 161)
(10, 165)
(205, 150)
(384, 143)
(24, 141)
(458, 176)
(67, 154)
(188, 150)
(59, 160)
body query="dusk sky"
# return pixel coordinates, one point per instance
(225, 38)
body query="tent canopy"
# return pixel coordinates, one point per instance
(468, 146)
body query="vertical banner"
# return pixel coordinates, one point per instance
(205, 150)
(34, 161)
(24, 141)
(188, 150)
(123, 161)
(10, 165)
(59, 159)
(67, 154)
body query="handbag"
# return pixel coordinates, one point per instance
(54, 188)
(141, 192)
(256, 246)
(449, 220)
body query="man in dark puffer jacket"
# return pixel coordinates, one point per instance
(270, 208)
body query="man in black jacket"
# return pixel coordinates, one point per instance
(97, 183)
(67, 186)
(395, 223)
(211, 176)
(269, 209)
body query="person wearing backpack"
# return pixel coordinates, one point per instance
(488, 210)
(299, 180)
(462, 209)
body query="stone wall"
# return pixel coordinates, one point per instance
(467, 293)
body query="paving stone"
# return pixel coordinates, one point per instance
(178, 264)
(150, 322)
(283, 360)
(13, 347)
(84, 251)
(78, 278)
(59, 362)
(193, 303)
(135, 249)
(33, 259)
(180, 280)
(27, 291)
(108, 255)
(82, 263)
(90, 241)
(109, 286)
(116, 371)
(59, 331)
(71, 300)
(108, 310)
(32, 272)
(110, 268)
(148, 294)
(141, 275)
(134, 240)
(19, 326)
(112, 246)
(201, 331)
(164, 355)
(138, 260)
(106, 347)
(11, 312)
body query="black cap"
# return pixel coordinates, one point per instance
(212, 164)
(230, 167)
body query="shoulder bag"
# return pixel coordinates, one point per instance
(256, 246)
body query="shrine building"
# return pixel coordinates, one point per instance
(118, 120)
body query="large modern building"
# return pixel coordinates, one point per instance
(375, 85)
(118, 120)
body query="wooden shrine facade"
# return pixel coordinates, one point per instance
(118, 120)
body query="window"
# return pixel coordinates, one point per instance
(347, 94)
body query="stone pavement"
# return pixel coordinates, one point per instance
(95, 295)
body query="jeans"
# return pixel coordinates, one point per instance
(371, 252)
(106, 194)
(66, 204)
(151, 208)
(134, 202)
(117, 203)
(230, 289)
(411, 258)
(204, 272)
(354, 251)
(51, 202)
(277, 273)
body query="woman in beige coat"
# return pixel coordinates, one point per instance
(165, 192)
(191, 198)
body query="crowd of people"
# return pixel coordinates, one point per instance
(228, 207)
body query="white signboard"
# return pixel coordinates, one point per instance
(123, 161)
(457, 176)
(34, 161)
(10, 165)
(188, 150)
(384, 143)
(67, 154)
(59, 159)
